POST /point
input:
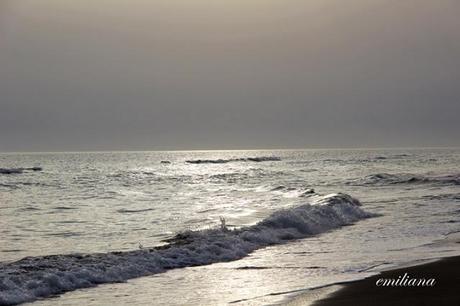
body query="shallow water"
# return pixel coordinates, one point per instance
(101, 202)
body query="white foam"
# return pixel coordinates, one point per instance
(35, 277)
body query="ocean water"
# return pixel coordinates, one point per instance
(81, 228)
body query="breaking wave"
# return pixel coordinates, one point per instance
(224, 161)
(407, 178)
(39, 277)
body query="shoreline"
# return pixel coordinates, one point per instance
(446, 272)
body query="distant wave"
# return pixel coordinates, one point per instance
(251, 173)
(393, 156)
(407, 178)
(224, 161)
(38, 277)
(449, 196)
(148, 176)
(18, 170)
(132, 211)
(17, 185)
(370, 159)
(299, 192)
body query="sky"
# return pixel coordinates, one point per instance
(220, 74)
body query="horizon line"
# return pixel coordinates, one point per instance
(226, 150)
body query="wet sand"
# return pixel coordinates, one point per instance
(446, 290)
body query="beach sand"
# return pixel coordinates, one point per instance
(446, 291)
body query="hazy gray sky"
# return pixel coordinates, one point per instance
(210, 74)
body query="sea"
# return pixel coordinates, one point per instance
(249, 227)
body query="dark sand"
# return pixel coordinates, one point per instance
(446, 291)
